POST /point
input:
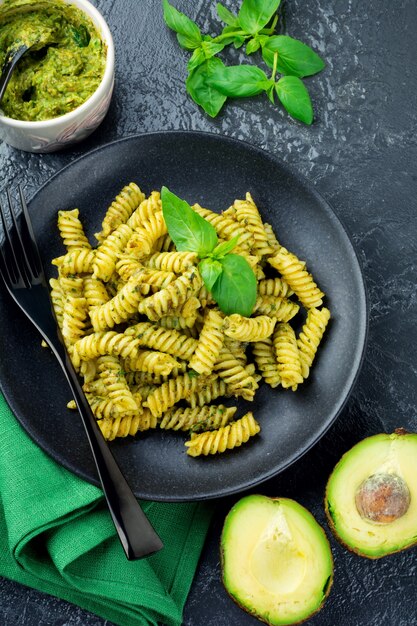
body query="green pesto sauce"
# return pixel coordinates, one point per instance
(62, 69)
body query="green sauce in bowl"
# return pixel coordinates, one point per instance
(64, 66)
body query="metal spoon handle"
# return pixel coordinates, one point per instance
(8, 67)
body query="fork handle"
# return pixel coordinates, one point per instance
(136, 533)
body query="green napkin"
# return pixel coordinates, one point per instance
(57, 536)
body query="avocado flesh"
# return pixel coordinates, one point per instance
(381, 454)
(276, 559)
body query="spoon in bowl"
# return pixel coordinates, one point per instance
(10, 63)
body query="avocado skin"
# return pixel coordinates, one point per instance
(236, 600)
(399, 432)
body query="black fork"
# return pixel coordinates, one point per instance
(23, 275)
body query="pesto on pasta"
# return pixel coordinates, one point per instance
(146, 335)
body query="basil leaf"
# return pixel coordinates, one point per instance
(295, 98)
(189, 231)
(188, 33)
(255, 14)
(294, 57)
(210, 48)
(210, 270)
(197, 58)
(252, 46)
(226, 16)
(238, 42)
(239, 81)
(271, 93)
(201, 91)
(225, 247)
(235, 288)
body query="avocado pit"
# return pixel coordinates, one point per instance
(383, 498)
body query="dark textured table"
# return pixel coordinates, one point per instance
(361, 154)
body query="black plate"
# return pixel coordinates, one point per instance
(212, 170)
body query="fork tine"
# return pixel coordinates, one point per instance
(9, 259)
(19, 247)
(37, 267)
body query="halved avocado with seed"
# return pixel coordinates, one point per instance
(371, 495)
(276, 560)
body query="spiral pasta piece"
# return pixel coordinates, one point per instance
(310, 337)
(235, 376)
(272, 240)
(127, 265)
(210, 343)
(231, 436)
(237, 348)
(95, 292)
(210, 390)
(264, 354)
(280, 309)
(177, 262)
(88, 370)
(170, 298)
(298, 278)
(208, 417)
(169, 341)
(103, 407)
(102, 343)
(74, 319)
(146, 209)
(136, 377)
(106, 254)
(71, 230)
(76, 261)
(170, 393)
(249, 328)
(114, 381)
(276, 287)
(248, 216)
(120, 209)
(119, 308)
(122, 426)
(177, 322)
(57, 296)
(143, 239)
(153, 362)
(288, 356)
(141, 392)
(72, 286)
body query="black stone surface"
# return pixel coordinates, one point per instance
(361, 153)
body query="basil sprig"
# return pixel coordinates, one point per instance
(210, 82)
(229, 277)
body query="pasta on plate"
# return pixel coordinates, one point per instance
(148, 339)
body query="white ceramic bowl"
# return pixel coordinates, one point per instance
(59, 132)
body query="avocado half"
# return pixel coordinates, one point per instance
(276, 560)
(371, 495)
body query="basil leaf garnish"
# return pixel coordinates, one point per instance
(210, 270)
(239, 81)
(235, 288)
(295, 98)
(188, 33)
(255, 14)
(294, 57)
(197, 58)
(252, 46)
(189, 231)
(226, 16)
(225, 247)
(200, 89)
